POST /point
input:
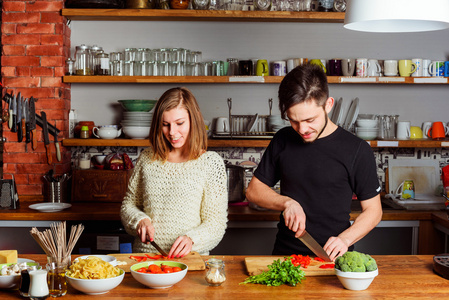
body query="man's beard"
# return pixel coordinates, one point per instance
(319, 134)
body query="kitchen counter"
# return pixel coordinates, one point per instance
(400, 277)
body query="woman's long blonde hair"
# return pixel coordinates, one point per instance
(197, 139)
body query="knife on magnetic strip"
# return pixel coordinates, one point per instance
(32, 114)
(313, 245)
(46, 138)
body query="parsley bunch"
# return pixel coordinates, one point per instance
(278, 273)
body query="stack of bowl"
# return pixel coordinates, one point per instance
(137, 117)
(367, 128)
(276, 123)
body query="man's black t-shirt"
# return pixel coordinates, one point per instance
(322, 176)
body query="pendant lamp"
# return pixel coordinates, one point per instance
(397, 15)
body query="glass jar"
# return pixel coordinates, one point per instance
(84, 133)
(179, 4)
(57, 282)
(70, 66)
(101, 63)
(82, 60)
(215, 274)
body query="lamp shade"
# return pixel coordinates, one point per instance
(397, 15)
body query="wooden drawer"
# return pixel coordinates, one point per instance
(99, 185)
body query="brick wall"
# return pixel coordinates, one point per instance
(35, 43)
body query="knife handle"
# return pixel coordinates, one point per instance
(27, 133)
(19, 132)
(23, 127)
(10, 121)
(58, 151)
(34, 140)
(14, 123)
(48, 151)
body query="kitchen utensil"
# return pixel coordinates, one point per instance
(441, 265)
(14, 114)
(58, 150)
(153, 243)
(252, 124)
(46, 138)
(27, 124)
(258, 264)
(10, 108)
(193, 260)
(19, 119)
(49, 207)
(313, 245)
(236, 183)
(32, 113)
(8, 196)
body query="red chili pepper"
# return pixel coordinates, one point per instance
(319, 259)
(154, 257)
(327, 266)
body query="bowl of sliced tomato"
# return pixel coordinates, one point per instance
(159, 274)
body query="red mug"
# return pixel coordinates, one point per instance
(438, 131)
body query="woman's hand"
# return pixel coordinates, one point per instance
(145, 230)
(181, 247)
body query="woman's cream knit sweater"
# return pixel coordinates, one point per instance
(187, 198)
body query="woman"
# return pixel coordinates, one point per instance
(177, 194)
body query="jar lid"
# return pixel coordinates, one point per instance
(84, 127)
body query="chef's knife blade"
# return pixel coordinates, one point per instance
(13, 114)
(10, 102)
(58, 150)
(32, 114)
(50, 127)
(46, 138)
(158, 248)
(19, 119)
(313, 245)
(23, 123)
(27, 121)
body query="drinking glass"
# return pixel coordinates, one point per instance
(129, 68)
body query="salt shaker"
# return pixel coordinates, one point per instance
(215, 274)
(38, 285)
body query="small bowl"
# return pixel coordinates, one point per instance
(100, 159)
(136, 132)
(96, 286)
(107, 258)
(366, 123)
(137, 105)
(356, 281)
(159, 281)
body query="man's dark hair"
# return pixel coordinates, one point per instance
(303, 83)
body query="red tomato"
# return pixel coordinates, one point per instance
(176, 269)
(154, 269)
(168, 270)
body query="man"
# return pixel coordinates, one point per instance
(319, 165)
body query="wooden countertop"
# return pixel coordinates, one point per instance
(400, 277)
(110, 211)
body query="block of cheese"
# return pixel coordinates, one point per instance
(8, 256)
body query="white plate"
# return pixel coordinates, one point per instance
(339, 113)
(22, 260)
(107, 258)
(253, 123)
(353, 112)
(49, 207)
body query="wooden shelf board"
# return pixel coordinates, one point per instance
(200, 15)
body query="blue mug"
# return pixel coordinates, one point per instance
(446, 69)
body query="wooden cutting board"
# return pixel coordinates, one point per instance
(193, 260)
(258, 264)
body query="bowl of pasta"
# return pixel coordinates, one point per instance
(159, 274)
(94, 276)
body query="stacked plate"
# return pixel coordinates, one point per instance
(136, 124)
(367, 128)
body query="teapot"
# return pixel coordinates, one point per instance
(107, 132)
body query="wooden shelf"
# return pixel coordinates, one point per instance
(249, 79)
(249, 143)
(200, 15)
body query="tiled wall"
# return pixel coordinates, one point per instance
(253, 155)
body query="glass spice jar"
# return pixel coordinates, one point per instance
(84, 133)
(179, 4)
(215, 274)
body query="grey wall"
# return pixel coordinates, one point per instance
(272, 41)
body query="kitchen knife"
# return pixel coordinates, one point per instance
(27, 121)
(32, 114)
(19, 119)
(24, 105)
(158, 248)
(313, 245)
(46, 138)
(58, 150)
(51, 128)
(13, 114)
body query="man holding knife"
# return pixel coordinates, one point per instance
(320, 166)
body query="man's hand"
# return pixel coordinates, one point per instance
(335, 246)
(295, 218)
(145, 230)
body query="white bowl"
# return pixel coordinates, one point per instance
(136, 132)
(159, 281)
(107, 258)
(96, 286)
(356, 281)
(100, 158)
(366, 123)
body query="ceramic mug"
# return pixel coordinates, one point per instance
(403, 131)
(446, 69)
(374, 68)
(361, 67)
(292, 63)
(245, 67)
(406, 67)
(419, 67)
(279, 68)
(107, 132)
(415, 132)
(391, 67)
(318, 62)
(262, 67)
(438, 131)
(425, 128)
(425, 67)
(222, 125)
(348, 66)
(406, 190)
(302, 61)
(436, 68)
(335, 67)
